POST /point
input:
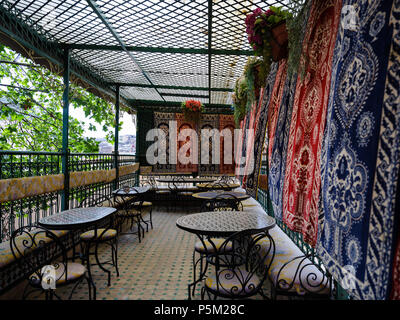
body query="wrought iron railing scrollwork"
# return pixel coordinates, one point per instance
(28, 210)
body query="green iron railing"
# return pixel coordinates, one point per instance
(27, 211)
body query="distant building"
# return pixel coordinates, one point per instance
(126, 144)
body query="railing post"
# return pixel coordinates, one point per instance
(116, 137)
(65, 133)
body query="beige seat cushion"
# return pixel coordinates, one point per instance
(256, 209)
(105, 234)
(128, 213)
(207, 247)
(6, 255)
(65, 273)
(240, 189)
(250, 202)
(144, 203)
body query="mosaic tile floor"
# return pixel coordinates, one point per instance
(158, 268)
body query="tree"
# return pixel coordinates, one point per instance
(31, 108)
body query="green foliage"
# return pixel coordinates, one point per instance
(31, 109)
(245, 86)
(296, 25)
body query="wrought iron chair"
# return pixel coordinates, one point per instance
(131, 213)
(48, 268)
(175, 193)
(144, 207)
(222, 202)
(106, 235)
(204, 247)
(239, 272)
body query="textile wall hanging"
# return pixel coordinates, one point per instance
(210, 122)
(274, 105)
(249, 145)
(226, 122)
(191, 152)
(240, 153)
(161, 121)
(360, 159)
(276, 174)
(259, 139)
(302, 177)
(395, 294)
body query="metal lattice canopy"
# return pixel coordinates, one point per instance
(158, 52)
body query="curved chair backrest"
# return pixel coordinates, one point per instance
(37, 249)
(96, 199)
(173, 186)
(225, 202)
(246, 262)
(226, 179)
(150, 181)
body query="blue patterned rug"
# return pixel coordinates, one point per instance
(360, 159)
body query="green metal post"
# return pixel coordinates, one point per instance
(116, 138)
(210, 9)
(65, 132)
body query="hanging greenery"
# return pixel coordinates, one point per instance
(296, 25)
(247, 88)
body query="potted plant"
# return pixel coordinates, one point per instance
(267, 34)
(192, 109)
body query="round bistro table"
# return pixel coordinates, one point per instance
(208, 195)
(78, 218)
(222, 224)
(218, 186)
(133, 191)
(186, 180)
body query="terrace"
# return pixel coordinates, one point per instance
(299, 179)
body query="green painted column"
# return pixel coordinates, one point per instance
(144, 124)
(65, 132)
(116, 136)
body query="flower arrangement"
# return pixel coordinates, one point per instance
(192, 110)
(267, 34)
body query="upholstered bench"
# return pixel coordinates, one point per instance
(291, 272)
(11, 271)
(240, 189)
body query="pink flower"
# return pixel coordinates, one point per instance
(257, 11)
(269, 13)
